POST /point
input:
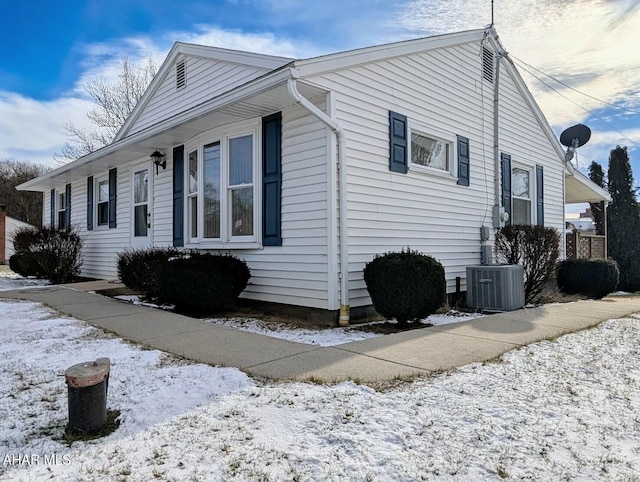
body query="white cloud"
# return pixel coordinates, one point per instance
(33, 128)
(587, 44)
(264, 43)
(602, 142)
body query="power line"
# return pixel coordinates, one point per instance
(523, 63)
(575, 103)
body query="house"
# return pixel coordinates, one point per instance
(8, 226)
(309, 168)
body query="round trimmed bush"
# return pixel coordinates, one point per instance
(48, 252)
(139, 269)
(594, 278)
(24, 264)
(203, 283)
(407, 286)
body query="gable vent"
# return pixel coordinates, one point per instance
(181, 74)
(487, 64)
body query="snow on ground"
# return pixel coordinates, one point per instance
(310, 336)
(11, 281)
(565, 409)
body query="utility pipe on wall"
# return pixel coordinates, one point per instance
(342, 200)
(496, 131)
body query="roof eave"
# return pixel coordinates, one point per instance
(350, 58)
(235, 95)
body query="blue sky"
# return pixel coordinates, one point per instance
(48, 50)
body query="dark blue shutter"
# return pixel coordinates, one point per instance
(272, 180)
(113, 196)
(506, 185)
(53, 207)
(67, 214)
(398, 157)
(178, 196)
(463, 161)
(540, 195)
(90, 203)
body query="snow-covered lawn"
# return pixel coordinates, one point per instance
(566, 409)
(11, 281)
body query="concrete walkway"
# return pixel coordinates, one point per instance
(409, 353)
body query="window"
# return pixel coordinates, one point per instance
(103, 203)
(430, 151)
(212, 198)
(521, 195)
(220, 188)
(62, 210)
(192, 195)
(241, 185)
(140, 203)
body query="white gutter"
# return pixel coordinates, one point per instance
(342, 200)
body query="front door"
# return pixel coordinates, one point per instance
(141, 227)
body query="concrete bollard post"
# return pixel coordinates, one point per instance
(87, 394)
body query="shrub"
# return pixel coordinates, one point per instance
(536, 248)
(48, 252)
(407, 286)
(203, 283)
(594, 278)
(24, 264)
(24, 238)
(139, 269)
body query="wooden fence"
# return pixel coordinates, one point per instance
(581, 245)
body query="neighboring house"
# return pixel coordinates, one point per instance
(307, 169)
(8, 226)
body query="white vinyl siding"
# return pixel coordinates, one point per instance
(205, 79)
(517, 124)
(433, 214)
(99, 255)
(296, 272)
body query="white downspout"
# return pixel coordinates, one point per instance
(496, 131)
(342, 200)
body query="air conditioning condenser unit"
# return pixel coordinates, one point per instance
(497, 287)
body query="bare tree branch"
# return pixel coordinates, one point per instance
(114, 104)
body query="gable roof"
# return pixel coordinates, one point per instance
(275, 73)
(262, 63)
(351, 58)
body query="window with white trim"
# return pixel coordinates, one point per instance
(221, 189)
(102, 206)
(431, 151)
(192, 196)
(62, 210)
(521, 195)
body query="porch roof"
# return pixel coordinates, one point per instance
(263, 96)
(580, 189)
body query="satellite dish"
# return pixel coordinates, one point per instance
(575, 136)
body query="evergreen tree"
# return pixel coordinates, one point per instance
(596, 174)
(623, 220)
